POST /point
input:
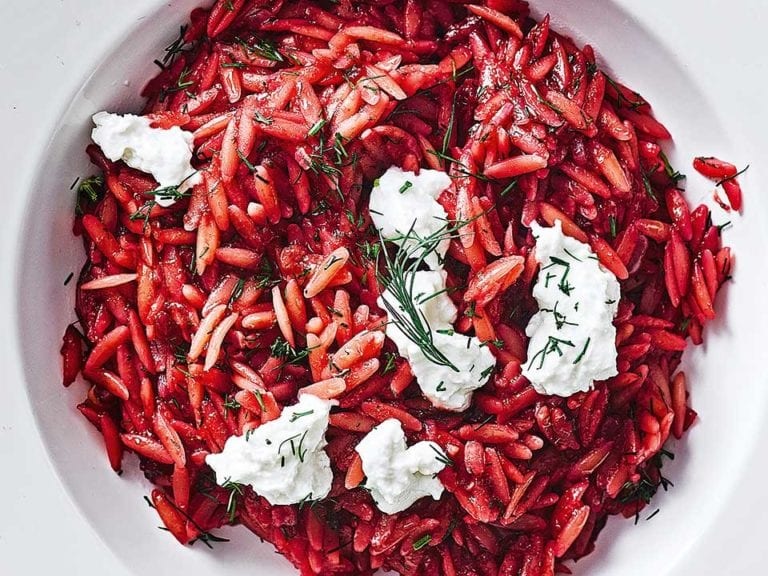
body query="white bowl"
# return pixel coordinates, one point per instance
(730, 400)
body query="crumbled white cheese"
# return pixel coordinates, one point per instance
(282, 460)
(447, 387)
(165, 154)
(397, 475)
(404, 204)
(405, 210)
(572, 336)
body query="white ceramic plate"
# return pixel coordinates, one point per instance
(699, 63)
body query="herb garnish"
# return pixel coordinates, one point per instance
(398, 279)
(173, 50)
(317, 127)
(564, 286)
(583, 351)
(389, 365)
(263, 48)
(612, 225)
(290, 355)
(261, 119)
(235, 490)
(552, 346)
(441, 456)
(89, 190)
(729, 178)
(296, 415)
(422, 542)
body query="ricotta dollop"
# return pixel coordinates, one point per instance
(403, 204)
(572, 336)
(447, 387)
(397, 475)
(282, 460)
(165, 154)
(405, 209)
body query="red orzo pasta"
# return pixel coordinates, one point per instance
(202, 320)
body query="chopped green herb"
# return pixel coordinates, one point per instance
(551, 347)
(441, 456)
(236, 292)
(622, 98)
(508, 188)
(671, 172)
(307, 500)
(648, 188)
(174, 49)
(182, 83)
(339, 149)
(356, 222)
(389, 365)
(486, 373)
(281, 349)
(317, 127)
(265, 277)
(422, 542)
(296, 415)
(231, 404)
(408, 184)
(90, 190)
(369, 250)
(583, 351)
(449, 129)
(244, 160)
(263, 48)
(235, 490)
(729, 178)
(261, 119)
(321, 208)
(207, 538)
(724, 226)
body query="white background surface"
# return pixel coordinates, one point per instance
(48, 47)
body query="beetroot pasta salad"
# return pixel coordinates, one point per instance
(398, 285)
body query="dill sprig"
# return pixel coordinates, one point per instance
(729, 178)
(422, 542)
(236, 292)
(143, 213)
(173, 49)
(441, 456)
(390, 364)
(182, 83)
(176, 192)
(235, 490)
(642, 491)
(398, 278)
(672, 174)
(263, 48)
(290, 355)
(89, 190)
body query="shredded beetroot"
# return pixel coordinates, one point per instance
(202, 320)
